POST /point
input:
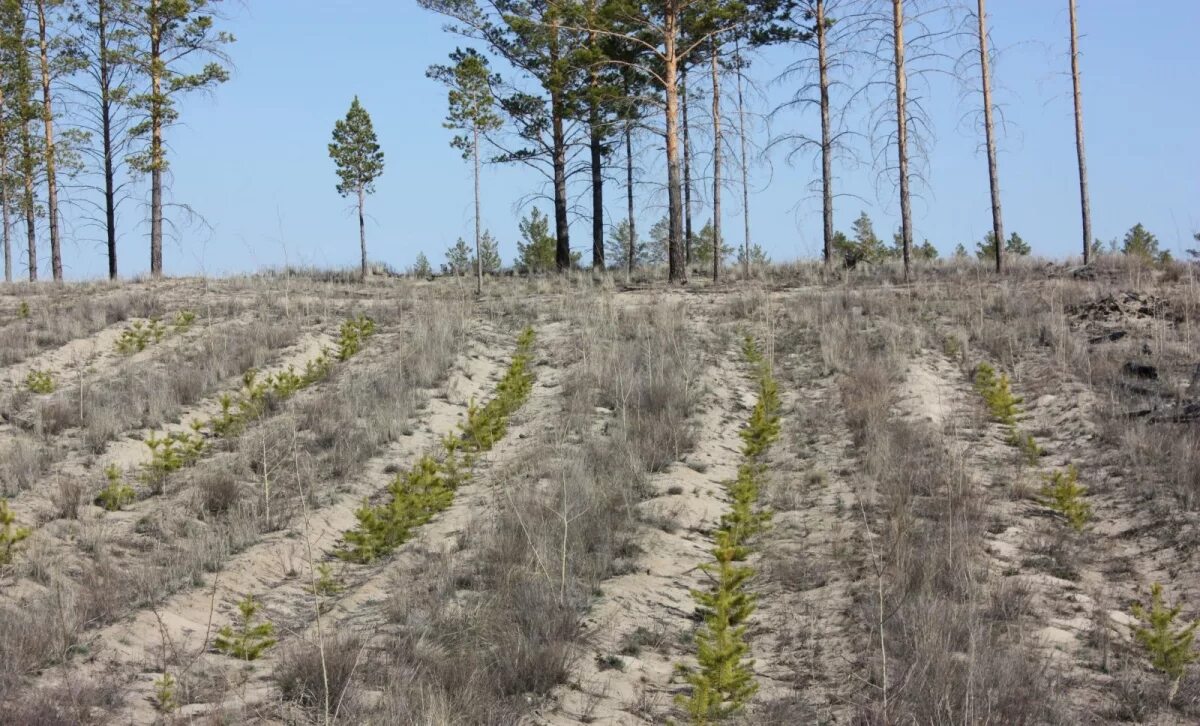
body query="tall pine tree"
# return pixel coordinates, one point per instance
(359, 160)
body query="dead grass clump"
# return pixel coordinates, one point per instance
(72, 702)
(23, 461)
(320, 679)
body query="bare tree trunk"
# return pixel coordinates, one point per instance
(716, 114)
(478, 223)
(362, 232)
(56, 268)
(110, 193)
(902, 134)
(156, 145)
(1084, 199)
(677, 264)
(629, 195)
(562, 254)
(989, 129)
(826, 135)
(30, 200)
(737, 50)
(687, 171)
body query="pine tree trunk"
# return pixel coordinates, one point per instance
(826, 135)
(4, 198)
(687, 172)
(677, 264)
(4, 204)
(902, 134)
(478, 221)
(156, 146)
(56, 269)
(737, 50)
(362, 231)
(716, 119)
(597, 161)
(989, 129)
(558, 112)
(597, 143)
(629, 195)
(30, 200)
(110, 193)
(1084, 200)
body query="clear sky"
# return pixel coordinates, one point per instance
(252, 157)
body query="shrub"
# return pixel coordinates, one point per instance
(10, 534)
(39, 381)
(1063, 493)
(1168, 642)
(117, 493)
(249, 639)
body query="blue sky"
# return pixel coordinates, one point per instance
(252, 157)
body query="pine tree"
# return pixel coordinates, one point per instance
(472, 112)
(537, 251)
(421, 267)
(623, 252)
(1170, 644)
(489, 250)
(1140, 243)
(359, 160)
(173, 35)
(458, 259)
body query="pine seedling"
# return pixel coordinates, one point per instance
(10, 533)
(39, 382)
(183, 321)
(1064, 494)
(164, 693)
(1169, 643)
(327, 583)
(117, 493)
(23, 310)
(997, 394)
(249, 639)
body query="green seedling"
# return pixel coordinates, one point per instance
(10, 533)
(117, 493)
(249, 639)
(1168, 643)
(39, 382)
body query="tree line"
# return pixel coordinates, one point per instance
(89, 93)
(587, 80)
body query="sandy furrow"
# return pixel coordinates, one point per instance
(806, 642)
(652, 604)
(129, 451)
(275, 570)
